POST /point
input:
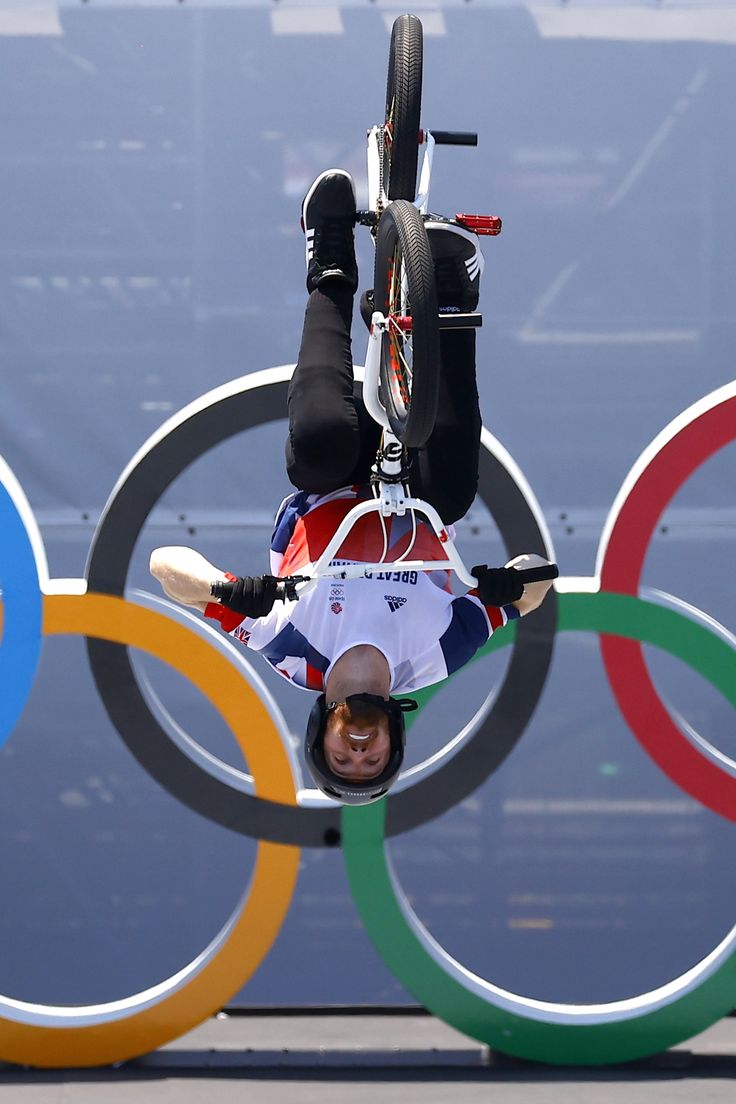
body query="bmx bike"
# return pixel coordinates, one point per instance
(402, 364)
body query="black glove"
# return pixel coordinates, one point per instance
(251, 596)
(498, 586)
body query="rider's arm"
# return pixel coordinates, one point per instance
(189, 578)
(470, 626)
(532, 597)
(534, 593)
(502, 586)
(497, 586)
(185, 575)
(497, 616)
(255, 633)
(249, 595)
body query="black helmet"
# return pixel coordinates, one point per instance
(348, 792)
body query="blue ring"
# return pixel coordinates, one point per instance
(20, 646)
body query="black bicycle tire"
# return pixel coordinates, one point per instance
(403, 108)
(401, 225)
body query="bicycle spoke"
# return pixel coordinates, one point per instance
(410, 346)
(400, 338)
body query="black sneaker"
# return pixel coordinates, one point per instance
(328, 222)
(367, 307)
(458, 264)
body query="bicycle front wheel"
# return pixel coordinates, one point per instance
(405, 293)
(403, 108)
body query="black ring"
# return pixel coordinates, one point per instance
(125, 513)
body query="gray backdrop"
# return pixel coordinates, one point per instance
(153, 160)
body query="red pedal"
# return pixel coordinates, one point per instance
(480, 224)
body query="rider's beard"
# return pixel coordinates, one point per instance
(364, 716)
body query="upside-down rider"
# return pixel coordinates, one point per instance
(360, 642)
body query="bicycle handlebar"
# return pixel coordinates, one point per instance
(286, 590)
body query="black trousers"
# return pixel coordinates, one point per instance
(332, 439)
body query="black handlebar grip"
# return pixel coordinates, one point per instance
(222, 590)
(454, 137)
(539, 574)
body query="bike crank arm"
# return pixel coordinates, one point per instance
(451, 137)
(460, 321)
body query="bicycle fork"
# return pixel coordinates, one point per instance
(372, 377)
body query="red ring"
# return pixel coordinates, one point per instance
(687, 445)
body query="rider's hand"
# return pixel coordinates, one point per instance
(251, 596)
(498, 586)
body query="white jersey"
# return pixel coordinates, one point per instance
(411, 617)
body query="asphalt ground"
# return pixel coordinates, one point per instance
(394, 1059)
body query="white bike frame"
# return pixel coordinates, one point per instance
(391, 499)
(377, 198)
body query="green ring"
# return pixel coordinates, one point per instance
(538, 1030)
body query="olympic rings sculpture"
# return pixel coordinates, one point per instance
(661, 470)
(182, 769)
(270, 803)
(21, 552)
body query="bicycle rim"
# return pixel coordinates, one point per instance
(400, 147)
(405, 292)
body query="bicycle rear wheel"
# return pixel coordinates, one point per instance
(400, 151)
(405, 293)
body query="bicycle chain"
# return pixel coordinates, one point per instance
(381, 191)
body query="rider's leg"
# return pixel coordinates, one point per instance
(447, 466)
(324, 443)
(370, 440)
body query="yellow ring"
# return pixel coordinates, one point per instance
(100, 1034)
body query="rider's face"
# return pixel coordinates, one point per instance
(357, 751)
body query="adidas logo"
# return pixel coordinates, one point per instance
(394, 603)
(309, 235)
(473, 265)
